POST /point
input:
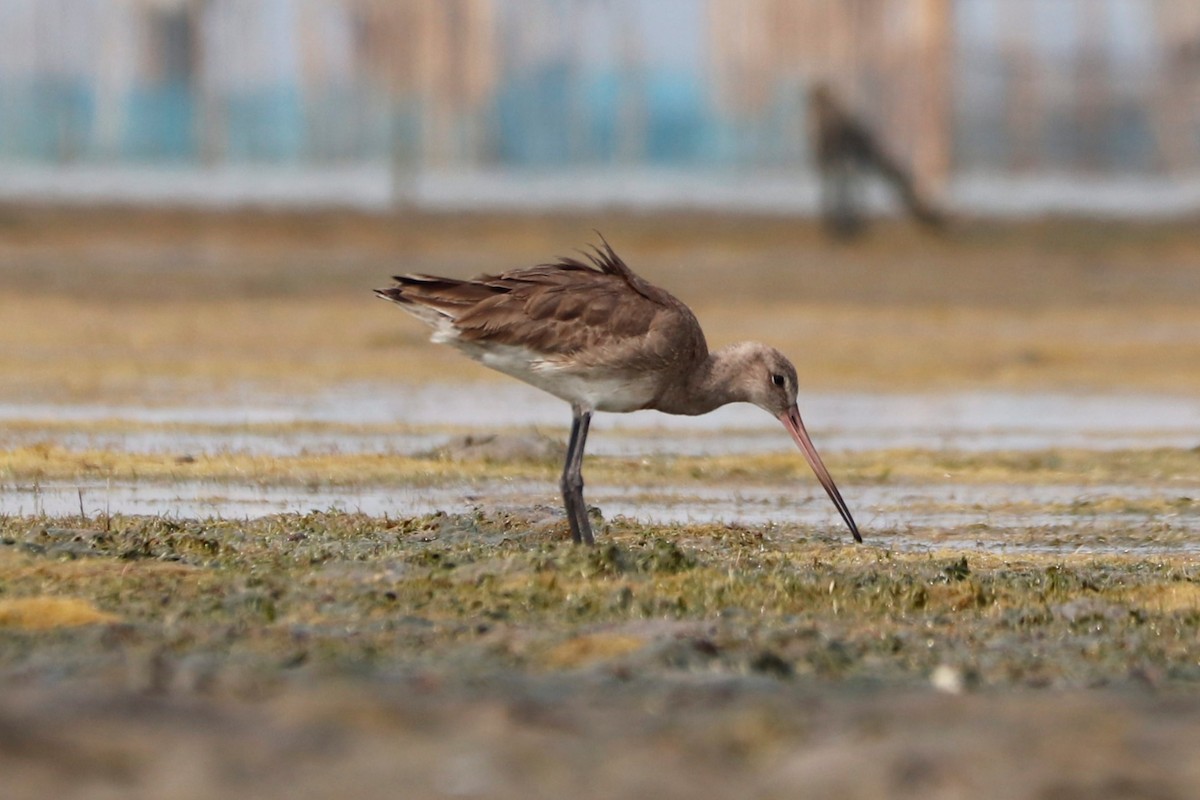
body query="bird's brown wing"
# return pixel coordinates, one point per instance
(591, 315)
(571, 312)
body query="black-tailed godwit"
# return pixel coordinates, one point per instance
(603, 339)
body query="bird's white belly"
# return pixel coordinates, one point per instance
(597, 393)
(596, 390)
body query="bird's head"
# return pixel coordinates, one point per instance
(757, 373)
(765, 377)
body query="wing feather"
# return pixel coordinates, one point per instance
(580, 315)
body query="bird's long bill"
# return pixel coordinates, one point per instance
(791, 420)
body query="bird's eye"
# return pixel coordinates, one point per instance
(777, 379)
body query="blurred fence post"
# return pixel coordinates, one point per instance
(1093, 85)
(933, 136)
(1176, 103)
(1021, 96)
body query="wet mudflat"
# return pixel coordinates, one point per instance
(257, 541)
(481, 655)
(294, 608)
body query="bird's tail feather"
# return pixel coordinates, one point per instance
(434, 299)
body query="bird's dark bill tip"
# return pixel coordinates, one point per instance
(791, 420)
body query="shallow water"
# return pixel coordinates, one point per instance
(970, 421)
(358, 420)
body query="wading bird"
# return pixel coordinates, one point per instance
(603, 339)
(846, 151)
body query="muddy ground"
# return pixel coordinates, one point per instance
(212, 585)
(483, 656)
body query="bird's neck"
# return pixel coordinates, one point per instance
(709, 385)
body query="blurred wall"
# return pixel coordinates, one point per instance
(957, 86)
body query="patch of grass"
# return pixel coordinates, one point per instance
(45, 613)
(49, 461)
(485, 593)
(46, 461)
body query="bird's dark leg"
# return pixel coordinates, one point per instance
(843, 212)
(572, 479)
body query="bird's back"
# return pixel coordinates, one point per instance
(563, 325)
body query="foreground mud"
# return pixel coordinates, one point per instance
(482, 656)
(425, 736)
